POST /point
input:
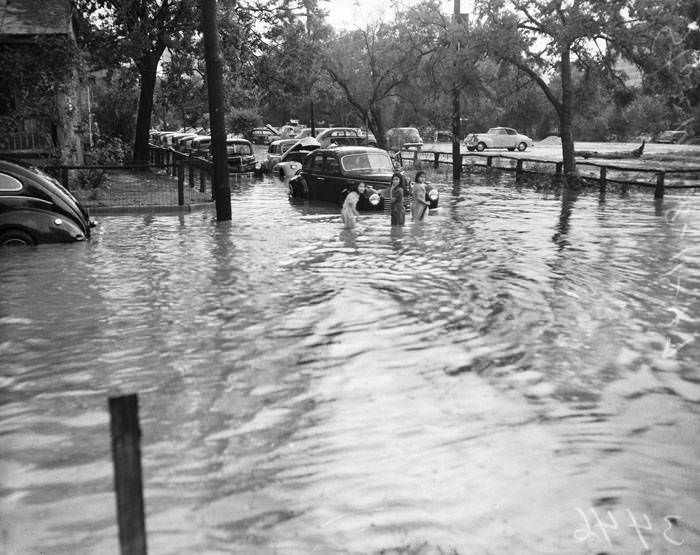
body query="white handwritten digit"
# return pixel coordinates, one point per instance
(638, 528)
(671, 520)
(602, 526)
(582, 535)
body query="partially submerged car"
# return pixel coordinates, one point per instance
(498, 137)
(400, 138)
(330, 174)
(264, 135)
(275, 152)
(291, 161)
(35, 208)
(339, 136)
(239, 153)
(671, 137)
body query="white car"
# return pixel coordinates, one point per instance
(498, 137)
(291, 161)
(275, 152)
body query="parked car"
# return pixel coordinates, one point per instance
(400, 138)
(291, 161)
(330, 174)
(263, 135)
(368, 138)
(35, 208)
(239, 153)
(275, 152)
(337, 135)
(306, 132)
(200, 146)
(671, 137)
(498, 137)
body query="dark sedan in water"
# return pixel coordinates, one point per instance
(35, 208)
(330, 174)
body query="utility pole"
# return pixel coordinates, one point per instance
(212, 55)
(456, 115)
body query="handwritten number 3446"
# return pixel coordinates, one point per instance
(609, 523)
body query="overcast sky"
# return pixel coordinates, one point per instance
(351, 13)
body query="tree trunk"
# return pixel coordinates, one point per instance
(376, 124)
(566, 118)
(147, 72)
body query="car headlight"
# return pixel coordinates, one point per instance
(294, 166)
(58, 221)
(361, 188)
(374, 199)
(433, 194)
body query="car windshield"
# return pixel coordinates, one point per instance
(239, 148)
(296, 156)
(372, 161)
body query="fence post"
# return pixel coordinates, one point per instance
(173, 165)
(603, 179)
(518, 169)
(436, 160)
(64, 177)
(126, 455)
(190, 175)
(659, 191)
(180, 183)
(202, 177)
(415, 158)
(489, 161)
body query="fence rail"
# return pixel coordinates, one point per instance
(602, 173)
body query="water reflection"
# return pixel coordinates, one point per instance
(476, 382)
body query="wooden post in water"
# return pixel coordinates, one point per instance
(518, 170)
(181, 183)
(436, 160)
(190, 176)
(659, 191)
(126, 454)
(603, 180)
(64, 177)
(489, 161)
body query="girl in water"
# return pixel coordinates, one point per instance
(396, 193)
(349, 213)
(419, 206)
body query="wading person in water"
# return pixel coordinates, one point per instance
(396, 193)
(349, 212)
(419, 206)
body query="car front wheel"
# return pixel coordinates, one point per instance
(16, 238)
(522, 146)
(480, 147)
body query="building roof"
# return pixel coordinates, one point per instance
(35, 17)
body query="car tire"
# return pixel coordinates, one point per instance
(480, 146)
(281, 175)
(511, 149)
(522, 146)
(16, 238)
(471, 148)
(292, 191)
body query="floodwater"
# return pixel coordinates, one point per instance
(518, 374)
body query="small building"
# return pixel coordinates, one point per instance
(43, 92)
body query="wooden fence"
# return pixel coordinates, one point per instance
(600, 172)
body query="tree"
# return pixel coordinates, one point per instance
(371, 65)
(138, 31)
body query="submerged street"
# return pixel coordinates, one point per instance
(517, 374)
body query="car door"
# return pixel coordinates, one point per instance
(314, 177)
(511, 138)
(334, 182)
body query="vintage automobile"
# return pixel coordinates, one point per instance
(35, 208)
(338, 136)
(239, 153)
(275, 152)
(402, 138)
(306, 132)
(263, 135)
(497, 137)
(291, 161)
(671, 137)
(330, 174)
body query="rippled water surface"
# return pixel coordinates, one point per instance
(519, 374)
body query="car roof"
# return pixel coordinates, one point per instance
(353, 150)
